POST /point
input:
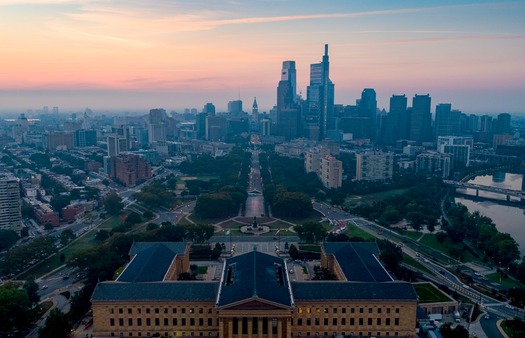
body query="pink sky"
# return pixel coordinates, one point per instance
(136, 55)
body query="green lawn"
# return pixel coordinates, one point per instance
(446, 247)
(413, 262)
(507, 282)
(314, 248)
(414, 235)
(427, 293)
(201, 270)
(313, 217)
(352, 230)
(369, 198)
(110, 223)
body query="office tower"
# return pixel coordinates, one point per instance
(265, 128)
(397, 119)
(85, 138)
(421, 119)
(473, 122)
(458, 146)
(447, 120)
(502, 124)
(209, 109)
(116, 145)
(10, 205)
(320, 96)
(289, 74)
(367, 108)
(235, 107)
(216, 128)
(156, 125)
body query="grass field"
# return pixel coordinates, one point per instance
(427, 293)
(507, 282)
(413, 262)
(352, 231)
(80, 244)
(369, 198)
(410, 234)
(201, 270)
(446, 247)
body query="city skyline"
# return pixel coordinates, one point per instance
(135, 56)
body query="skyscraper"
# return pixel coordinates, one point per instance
(289, 74)
(421, 119)
(156, 125)
(320, 96)
(368, 109)
(398, 122)
(447, 120)
(10, 206)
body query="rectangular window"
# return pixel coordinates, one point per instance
(192, 310)
(201, 310)
(157, 321)
(130, 311)
(317, 321)
(370, 310)
(396, 321)
(361, 310)
(139, 310)
(130, 321)
(192, 321)
(352, 321)
(397, 310)
(112, 321)
(325, 321)
(121, 321)
(147, 310)
(387, 310)
(378, 321)
(334, 321)
(308, 321)
(201, 321)
(165, 310)
(387, 321)
(120, 310)
(335, 310)
(344, 310)
(325, 310)
(148, 321)
(183, 321)
(299, 322)
(174, 321)
(166, 322)
(317, 310)
(157, 310)
(352, 310)
(183, 310)
(378, 310)
(139, 321)
(210, 322)
(343, 321)
(174, 310)
(360, 321)
(369, 321)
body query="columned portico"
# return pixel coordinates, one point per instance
(255, 327)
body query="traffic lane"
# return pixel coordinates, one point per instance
(56, 281)
(490, 326)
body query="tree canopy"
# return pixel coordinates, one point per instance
(113, 203)
(311, 232)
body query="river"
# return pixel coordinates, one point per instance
(509, 219)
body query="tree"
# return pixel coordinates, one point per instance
(67, 236)
(321, 273)
(391, 255)
(58, 202)
(102, 235)
(441, 237)
(147, 214)
(7, 239)
(62, 257)
(15, 308)
(459, 331)
(200, 233)
(113, 204)
(311, 232)
(133, 218)
(293, 251)
(31, 288)
(57, 325)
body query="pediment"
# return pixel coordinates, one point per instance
(255, 304)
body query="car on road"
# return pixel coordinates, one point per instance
(487, 316)
(44, 287)
(508, 306)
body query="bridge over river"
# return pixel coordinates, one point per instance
(507, 192)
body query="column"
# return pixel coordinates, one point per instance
(239, 327)
(230, 328)
(269, 326)
(288, 328)
(259, 327)
(250, 327)
(280, 328)
(221, 328)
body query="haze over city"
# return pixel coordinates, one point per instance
(135, 55)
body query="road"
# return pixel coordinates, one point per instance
(255, 200)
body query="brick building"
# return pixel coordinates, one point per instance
(129, 169)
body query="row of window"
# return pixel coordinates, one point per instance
(157, 321)
(344, 321)
(343, 310)
(157, 310)
(209, 321)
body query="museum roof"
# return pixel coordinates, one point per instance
(162, 291)
(358, 261)
(254, 275)
(150, 261)
(342, 290)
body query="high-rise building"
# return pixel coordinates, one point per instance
(367, 108)
(116, 145)
(320, 96)
(129, 169)
(397, 124)
(216, 128)
(157, 125)
(331, 172)
(60, 139)
(289, 74)
(421, 119)
(458, 146)
(502, 124)
(85, 138)
(10, 203)
(374, 166)
(437, 164)
(447, 120)
(209, 108)
(235, 107)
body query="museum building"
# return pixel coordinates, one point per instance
(254, 298)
